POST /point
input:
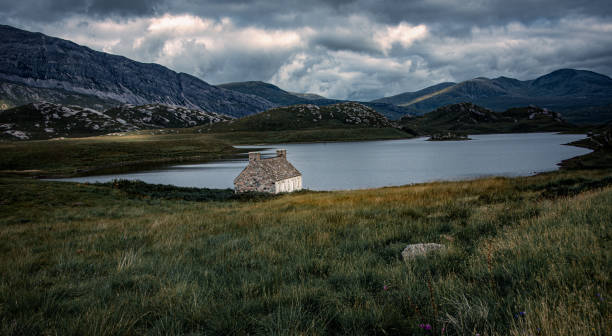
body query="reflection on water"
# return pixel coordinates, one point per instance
(370, 164)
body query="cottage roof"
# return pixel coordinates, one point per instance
(275, 169)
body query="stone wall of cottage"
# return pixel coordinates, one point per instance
(252, 181)
(288, 185)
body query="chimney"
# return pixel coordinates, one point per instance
(254, 156)
(281, 153)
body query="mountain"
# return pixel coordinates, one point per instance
(468, 118)
(568, 91)
(276, 95)
(48, 120)
(46, 64)
(309, 116)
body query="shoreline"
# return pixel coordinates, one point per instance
(158, 176)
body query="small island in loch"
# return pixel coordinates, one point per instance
(448, 136)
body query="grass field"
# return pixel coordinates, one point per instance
(312, 135)
(78, 156)
(525, 256)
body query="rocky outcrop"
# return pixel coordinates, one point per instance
(164, 116)
(308, 116)
(414, 250)
(358, 114)
(48, 120)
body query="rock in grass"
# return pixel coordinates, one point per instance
(413, 250)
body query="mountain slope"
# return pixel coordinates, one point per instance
(565, 90)
(40, 61)
(48, 120)
(298, 117)
(407, 97)
(270, 92)
(474, 119)
(13, 94)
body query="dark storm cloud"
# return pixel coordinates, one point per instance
(277, 12)
(123, 7)
(478, 11)
(343, 41)
(57, 10)
(361, 49)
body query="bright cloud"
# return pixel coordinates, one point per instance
(402, 34)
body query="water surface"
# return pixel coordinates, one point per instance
(371, 164)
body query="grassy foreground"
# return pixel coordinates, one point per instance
(525, 256)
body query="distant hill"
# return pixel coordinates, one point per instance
(569, 91)
(309, 96)
(468, 118)
(281, 97)
(51, 69)
(48, 120)
(270, 92)
(309, 116)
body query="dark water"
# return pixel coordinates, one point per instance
(370, 164)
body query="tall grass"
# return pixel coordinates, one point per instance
(97, 260)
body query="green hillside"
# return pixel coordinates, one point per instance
(298, 117)
(468, 118)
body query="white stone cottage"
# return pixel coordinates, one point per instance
(273, 175)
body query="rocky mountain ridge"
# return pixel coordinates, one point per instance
(47, 64)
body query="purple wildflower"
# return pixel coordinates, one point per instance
(425, 326)
(385, 287)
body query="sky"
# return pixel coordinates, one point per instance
(344, 49)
